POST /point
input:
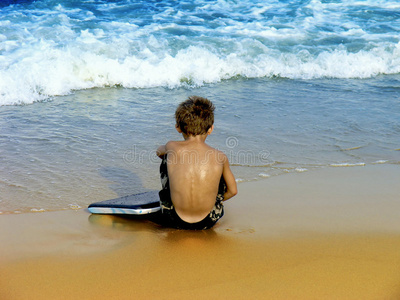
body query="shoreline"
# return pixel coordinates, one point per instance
(111, 188)
(332, 233)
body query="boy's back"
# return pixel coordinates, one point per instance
(194, 170)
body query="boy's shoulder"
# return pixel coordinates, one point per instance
(173, 146)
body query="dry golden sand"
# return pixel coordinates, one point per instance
(327, 234)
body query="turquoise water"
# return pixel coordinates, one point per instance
(88, 90)
(51, 47)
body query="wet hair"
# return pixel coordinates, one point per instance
(195, 116)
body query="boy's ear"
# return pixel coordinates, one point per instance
(178, 128)
(210, 129)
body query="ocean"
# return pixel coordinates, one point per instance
(88, 90)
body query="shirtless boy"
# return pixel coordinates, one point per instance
(196, 178)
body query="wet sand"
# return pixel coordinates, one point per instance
(333, 233)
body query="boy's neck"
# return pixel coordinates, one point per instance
(201, 138)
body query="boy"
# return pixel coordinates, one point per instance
(196, 178)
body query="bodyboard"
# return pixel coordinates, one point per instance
(137, 204)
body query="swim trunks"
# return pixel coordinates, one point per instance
(168, 214)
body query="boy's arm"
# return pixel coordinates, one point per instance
(161, 151)
(231, 187)
(164, 149)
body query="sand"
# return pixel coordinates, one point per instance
(332, 233)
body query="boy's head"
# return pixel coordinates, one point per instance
(195, 116)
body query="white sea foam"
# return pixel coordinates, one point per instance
(382, 161)
(49, 71)
(74, 206)
(38, 210)
(348, 164)
(264, 175)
